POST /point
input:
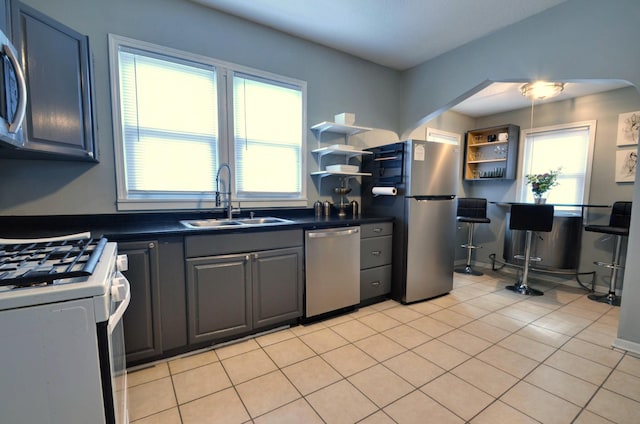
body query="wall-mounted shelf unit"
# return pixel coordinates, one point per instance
(338, 128)
(491, 153)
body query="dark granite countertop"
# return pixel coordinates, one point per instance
(132, 226)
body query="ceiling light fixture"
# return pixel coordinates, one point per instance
(541, 89)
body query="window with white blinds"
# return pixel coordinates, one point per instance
(178, 117)
(267, 137)
(568, 147)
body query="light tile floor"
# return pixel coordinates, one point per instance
(481, 354)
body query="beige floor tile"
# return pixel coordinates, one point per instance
(449, 317)
(464, 294)
(562, 384)
(503, 297)
(234, 349)
(339, 319)
(385, 305)
(431, 327)
(199, 382)
(485, 377)
(485, 331)
(540, 405)
(588, 314)
(624, 384)
(563, 323)
(323, 340)
(508, 361)
(402, 314)
(311, 374)
(630, 365)
(604, 328)
(503, 321)
(378, 418)
(248, 365)
(586, 303)
(353, 330)
(457, 395)
(614, 407)
(501, 413)
(578, 367)
(445, 301)
(288, 352)
(221, 407)
(275, 337)
(595, 353)
(266, 393)
(145, 375)
(543, 335)
(341, 403)
(300, 330)
(150, 398)
(469, 310)
(598, 338)
(522, 313)
(407, 336)
(416, 407)
(193, 361)
(362, 312)
(441, 354)
(527, 347)
(348, 360)
(465, 342)
(486, 304)
(587, 417)
(295, 412)
(381, 385)
(414, 368)
(379, 321)
(170, 416)
(425, 308)
(380, 347)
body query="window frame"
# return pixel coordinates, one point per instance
(522, 186)
(224, 79)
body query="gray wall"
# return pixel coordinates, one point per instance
(578, 39)
(337, 83)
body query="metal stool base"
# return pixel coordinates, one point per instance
(468, 270)
(523, 289)
(609, 298)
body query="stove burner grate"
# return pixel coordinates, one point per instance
(26, 264)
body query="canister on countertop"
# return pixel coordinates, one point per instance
(355, 208)
(317, 208)
(327, 208)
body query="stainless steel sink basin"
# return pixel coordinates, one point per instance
(233, 223)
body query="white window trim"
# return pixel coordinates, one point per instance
(225, 135)
(521, 183)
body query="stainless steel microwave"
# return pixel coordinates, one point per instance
(13, 95)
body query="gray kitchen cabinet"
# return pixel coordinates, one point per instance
(218, 296)
(375, 260)
(142, 330)
(5, 17)
(59, 122)
(237, 283)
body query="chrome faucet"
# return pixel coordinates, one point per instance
(218, 201)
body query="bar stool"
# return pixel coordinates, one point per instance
(529, 218)
(618, 226)
(472, 210)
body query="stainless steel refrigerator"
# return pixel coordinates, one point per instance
(425, 175)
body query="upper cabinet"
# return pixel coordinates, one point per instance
(491, 153)
(59, 122)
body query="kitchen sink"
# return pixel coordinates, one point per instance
(234, 223)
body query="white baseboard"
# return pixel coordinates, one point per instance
(627, 345)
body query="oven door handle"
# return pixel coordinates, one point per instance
(118, 282)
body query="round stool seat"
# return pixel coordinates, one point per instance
(607, 229)
(474, 220)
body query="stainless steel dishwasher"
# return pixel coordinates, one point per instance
(332, 259)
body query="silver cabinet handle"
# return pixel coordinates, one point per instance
(152, 245)
(375, 283)
(14, 126)
(376, 252)
(377, 230)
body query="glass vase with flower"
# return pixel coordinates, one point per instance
(541, 183)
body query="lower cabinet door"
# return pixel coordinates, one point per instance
(277, 286)
(218, 297)
(141, 321)
(375, 282)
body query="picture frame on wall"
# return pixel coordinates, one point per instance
(626, 164)
(628, 128)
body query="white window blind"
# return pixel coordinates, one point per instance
(268, 128)
(568, 147)
(170, 124)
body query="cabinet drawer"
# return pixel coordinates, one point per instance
(375, 251)
(376, 230)
(375, 282)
